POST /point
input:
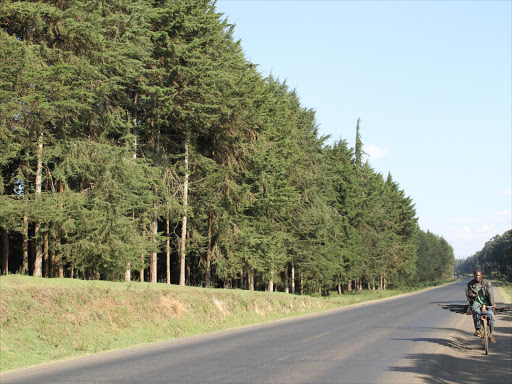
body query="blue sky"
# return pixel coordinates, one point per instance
(431, 82)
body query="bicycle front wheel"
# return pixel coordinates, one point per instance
(485, 335)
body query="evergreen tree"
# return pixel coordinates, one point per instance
(118, 119)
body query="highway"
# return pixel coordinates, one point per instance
(409, 339)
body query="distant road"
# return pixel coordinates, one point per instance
(404, 340)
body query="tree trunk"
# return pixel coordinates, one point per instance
(46, 265)
(301, 283)
(293, 277)
(349, 286)
(185, 216)
(51, 258)
(5, 249)
(31, 250)
(154, 233)
(383, 283)
(38, 257)
(24, 246)
(242, 279)
(38, 271)
(339, 289)
(58, 259)
(251, 279)
(270, 287)
(128, 271)
(207, 273)
(142, 257)
(168, 253)
(46, 241)
(286, 285)
(188, 262)
(58, 254)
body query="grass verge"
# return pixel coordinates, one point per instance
(505, 287)
(43, 320)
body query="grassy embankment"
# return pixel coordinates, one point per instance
(505, 288)
(43, 320)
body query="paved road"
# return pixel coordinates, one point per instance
(403, 340)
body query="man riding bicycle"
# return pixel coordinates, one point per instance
(481, 297)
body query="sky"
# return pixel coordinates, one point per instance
(430, 81)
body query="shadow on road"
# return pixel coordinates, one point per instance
(434, 329)
(444, 368)
(456, 345)
(462, 358)
(427, 329)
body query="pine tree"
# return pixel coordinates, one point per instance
(358, 152)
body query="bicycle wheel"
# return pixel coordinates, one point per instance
(485, 336)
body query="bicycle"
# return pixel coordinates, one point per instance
(485, 326)
(485, 329)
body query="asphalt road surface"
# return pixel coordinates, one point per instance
(409, 339)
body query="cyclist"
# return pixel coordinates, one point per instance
(480, 294)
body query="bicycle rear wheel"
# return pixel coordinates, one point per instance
(485, 335)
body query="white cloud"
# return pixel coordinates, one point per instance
(466, 220)
(464, 233)
(374, 152)
(505, 212)
(486, 229)
(468, 235)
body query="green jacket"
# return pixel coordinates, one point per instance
(486, 287)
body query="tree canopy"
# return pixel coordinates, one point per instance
(494, 258)
(119, 119)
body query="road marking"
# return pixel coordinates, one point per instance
(314, 337)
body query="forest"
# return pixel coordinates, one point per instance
(495, 258)
(139, 144)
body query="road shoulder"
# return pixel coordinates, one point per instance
(460, 358)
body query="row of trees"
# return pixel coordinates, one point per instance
(435, 257)
(138, 143)
(494, 258)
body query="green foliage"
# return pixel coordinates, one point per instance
(118, 89)
(105, 217)
(435, 258)
(494, 258)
